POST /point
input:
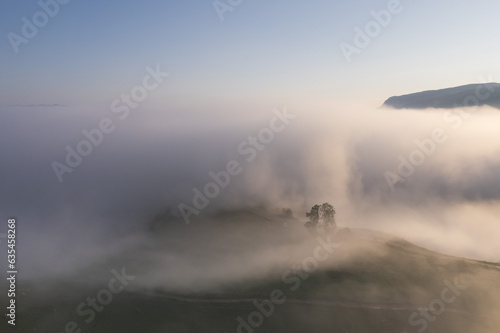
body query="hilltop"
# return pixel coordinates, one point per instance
(361, 281)
(467, 95)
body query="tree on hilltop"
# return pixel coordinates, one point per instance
(321, 217)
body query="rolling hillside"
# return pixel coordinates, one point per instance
(358, 281)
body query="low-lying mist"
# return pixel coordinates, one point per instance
(428, 176)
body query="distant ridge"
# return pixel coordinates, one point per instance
(468, 95)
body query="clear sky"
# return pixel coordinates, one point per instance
(282, 51)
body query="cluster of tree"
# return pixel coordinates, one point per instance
(321, 217)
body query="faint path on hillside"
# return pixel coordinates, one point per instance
(343, 304)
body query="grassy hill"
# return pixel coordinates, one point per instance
(367, 282)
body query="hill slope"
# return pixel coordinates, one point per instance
(468, 95)
(368, 282)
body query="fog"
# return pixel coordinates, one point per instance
(447, 201)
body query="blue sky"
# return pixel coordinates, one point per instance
(280, 52)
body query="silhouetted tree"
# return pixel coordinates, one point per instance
(313, 216)
(321, 217)
(327, 214)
